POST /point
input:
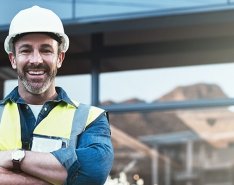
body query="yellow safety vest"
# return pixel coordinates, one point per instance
(64, 121)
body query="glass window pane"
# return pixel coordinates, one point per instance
(7, 11)
(95, 8)
(168, 84)
(104, 9)
(76, 86)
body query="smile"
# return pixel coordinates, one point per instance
(36, 72)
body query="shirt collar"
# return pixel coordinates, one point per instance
(15, 97)
(62, 96)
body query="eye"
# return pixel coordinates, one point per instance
(46, 51)
(24, 51)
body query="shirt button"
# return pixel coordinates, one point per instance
(45, 109)
(26, 106)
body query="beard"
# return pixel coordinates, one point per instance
(37, 86)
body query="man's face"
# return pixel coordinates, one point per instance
(36, 60)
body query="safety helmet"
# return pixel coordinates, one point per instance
(36, 19)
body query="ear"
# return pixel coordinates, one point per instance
(12, 60)
(60, 59)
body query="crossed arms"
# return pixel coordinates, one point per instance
(37, 168)
(94, 162)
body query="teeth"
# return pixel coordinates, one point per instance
(36, 72)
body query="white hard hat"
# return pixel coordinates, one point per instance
(36, 19)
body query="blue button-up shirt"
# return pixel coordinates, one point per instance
(94, 152)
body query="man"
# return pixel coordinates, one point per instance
(45, 137)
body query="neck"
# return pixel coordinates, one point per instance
(37, 99)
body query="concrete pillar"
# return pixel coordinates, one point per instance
(167, 163)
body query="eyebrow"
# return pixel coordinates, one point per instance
(25, 45)
(46, 46)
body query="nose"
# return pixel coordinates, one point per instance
(36, 57)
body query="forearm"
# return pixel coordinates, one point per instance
(40, 165)
(44, 166)
(8, 178)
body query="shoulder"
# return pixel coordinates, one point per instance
(97, 118)
(95, 113)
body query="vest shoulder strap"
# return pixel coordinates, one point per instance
(79, 123)
(83, 117)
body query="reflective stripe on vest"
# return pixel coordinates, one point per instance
(64, 121)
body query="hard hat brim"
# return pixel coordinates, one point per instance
(8, 45)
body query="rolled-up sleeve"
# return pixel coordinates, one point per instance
(91, 162)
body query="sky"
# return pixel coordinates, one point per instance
(147, 85)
